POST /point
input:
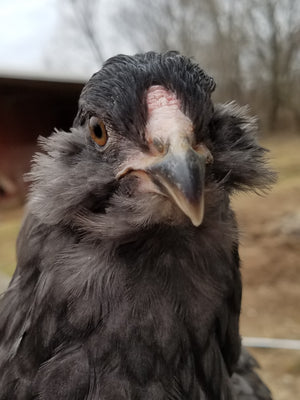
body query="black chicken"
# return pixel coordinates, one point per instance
(128, 283)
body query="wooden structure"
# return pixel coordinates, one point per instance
(29, 108)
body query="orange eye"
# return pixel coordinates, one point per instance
(98, 131)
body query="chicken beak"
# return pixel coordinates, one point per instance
(180, 174)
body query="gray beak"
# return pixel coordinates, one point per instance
(180, 175)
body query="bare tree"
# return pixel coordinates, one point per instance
(203, 29)
(274, 32)
(163, 25)
(84, 14)
(251, 47)
(78, 38)
(228, 45)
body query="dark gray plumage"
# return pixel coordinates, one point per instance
(124, 287)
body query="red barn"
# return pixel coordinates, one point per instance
(29, 108)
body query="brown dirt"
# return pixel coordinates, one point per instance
(270, 253)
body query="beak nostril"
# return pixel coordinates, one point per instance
(209, 158)
(203, 150)
(159, 145)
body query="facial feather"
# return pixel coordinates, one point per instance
(78, 181)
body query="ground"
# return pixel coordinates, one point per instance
(270, 253)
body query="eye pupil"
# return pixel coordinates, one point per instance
(98, 131)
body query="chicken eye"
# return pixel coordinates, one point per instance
(98, 131)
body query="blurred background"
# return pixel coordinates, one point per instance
(49, 48)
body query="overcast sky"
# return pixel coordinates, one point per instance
(30, 35)
(25, 28)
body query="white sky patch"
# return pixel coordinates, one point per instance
(36, 39)
(24, 30)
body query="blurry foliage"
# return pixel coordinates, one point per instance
(250, 47)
